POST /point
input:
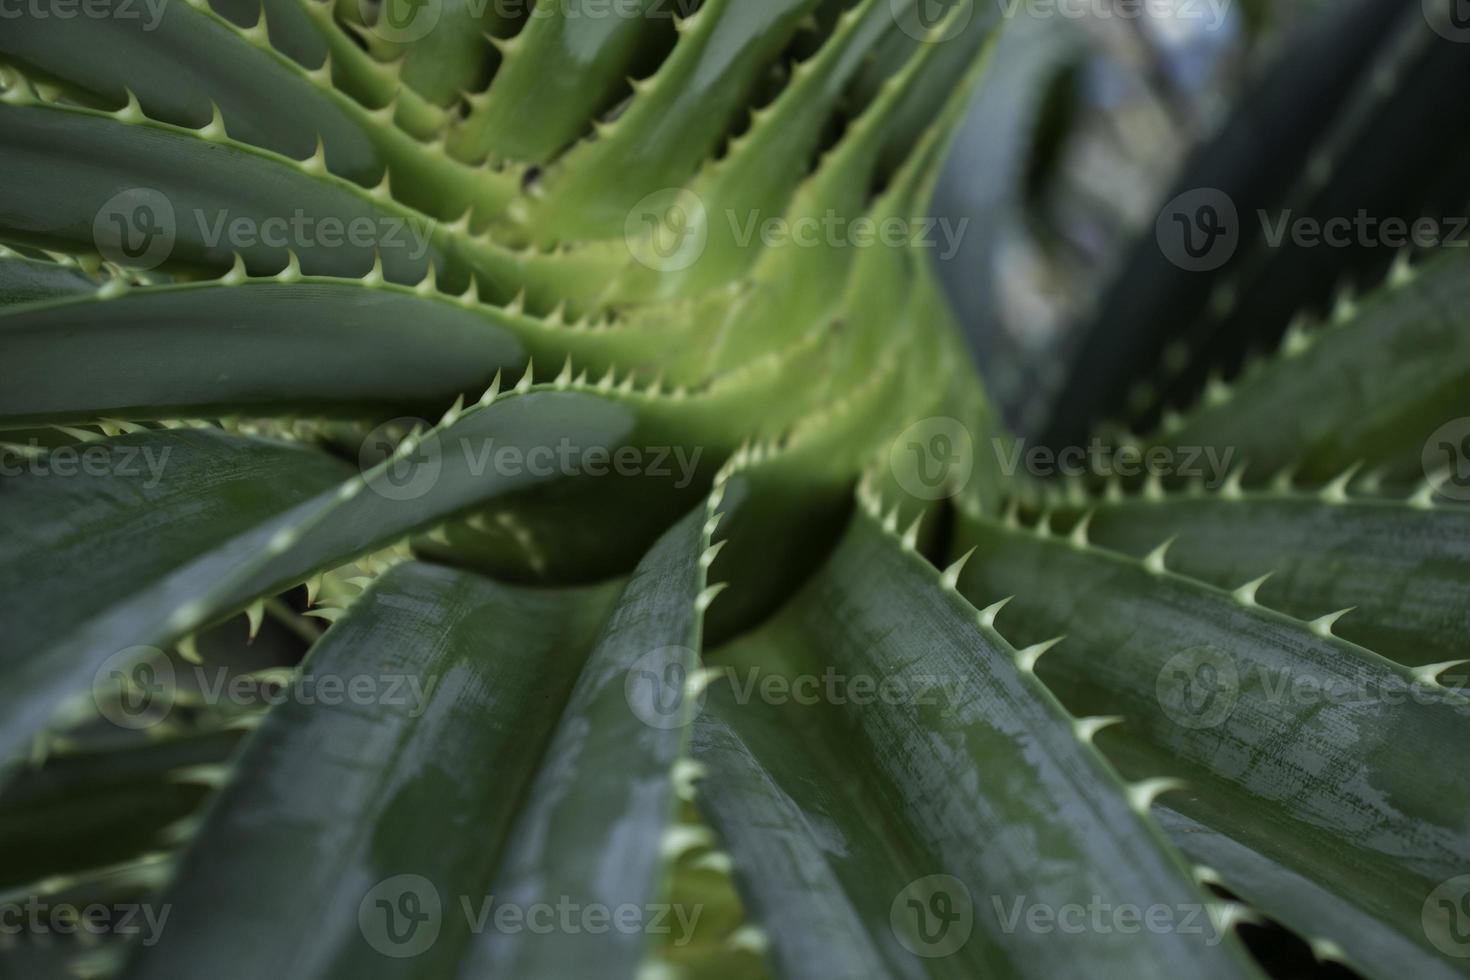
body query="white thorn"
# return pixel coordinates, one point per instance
(703, 600)
(1142, 794)
(951, 577)
(911, 534)
(1086, 728)
(1429, 673)
(1323, 625)
(988, 614)
(1027, 658)
(1246, 594)
(1336, 491)
(1155, 560)
(255, 615)
(1079, 533)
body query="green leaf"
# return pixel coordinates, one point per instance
(89, 809)
(530, 114)
(926, 748)
(28, 280)
(561, 762)
(1363, 942)
(673, 123)
(163, 552)
(1370, 388)
(1402, 568)
(1291, 740)
(265, 98)
(258, 347)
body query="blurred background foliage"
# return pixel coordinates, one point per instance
(1063, 162)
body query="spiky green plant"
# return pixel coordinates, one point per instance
(538, 739)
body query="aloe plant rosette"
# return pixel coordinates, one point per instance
(496, 490)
